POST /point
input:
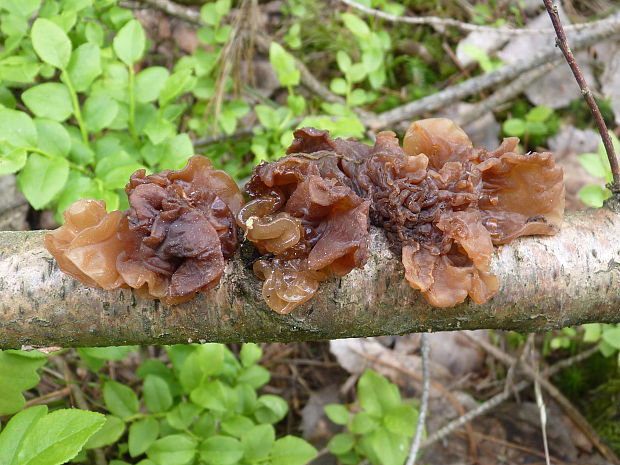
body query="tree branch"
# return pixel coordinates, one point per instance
(546, 282)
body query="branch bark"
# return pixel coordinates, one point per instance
(546, 282)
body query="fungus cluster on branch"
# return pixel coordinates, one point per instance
(442, 203)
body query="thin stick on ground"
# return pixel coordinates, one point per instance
(443, 22)
(501, 397)
(555, 393)
(426, 385)
(586, 92)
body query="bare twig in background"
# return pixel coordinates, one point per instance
(426, 385)
(479, 83)
(80, 399)
(586, 92)
(443, 22)
(555, 393)
(501, 397)
(543, 418)
(502, 95)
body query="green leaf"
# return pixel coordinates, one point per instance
(120, 400)
(221, 450)
(372, 59)
(268, 117)
(356, 25)
(130, 42)
(53, 137)
(594, 164)
(514, 127)
(344, 61)
(84, 66)
(256, 376)
(15, 431)
(338, 86)
(142, 434)
(176, 449)
(284, 65)
(250, 354)
(112, 430)
(17, 128)
(177, 84)
(206, 360)
(117, 353)
(356, 73)
(236, 425)
(257, 442)
(291, 450)
(606, 349)
(183, 415)
(50, 100)
(213, 395)
(270, 409)
(51, 43)
(592, 332)
(19, 69)
(376, 394)
(77, 187)
(535, 128)
(358, 97)
(149, 83)
(340, 443)
(539, 114)
(159, 130)
(593, 195)
(390, 448)
(156, 393)
(363, 423)
(58, 437)
(612, 337)
(99, 112)
(337, 413)
(12, 159)
(401, 419)
(55, 172)
(114, 170)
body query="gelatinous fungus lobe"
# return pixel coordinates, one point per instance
(307, 226)
(449, 215)
(87, 245)
(178, 230)
(171, 243)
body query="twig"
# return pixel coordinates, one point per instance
(426, 383)
(502, 95)
(80, 400)
(501, 397)
(443, 22)
(543, 419)
(586, 92)
(49, 397)
(485, 81)
(554, 392)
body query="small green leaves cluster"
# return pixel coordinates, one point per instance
(202, 409)
(606, 335)
(380, 428)
(597, 164)
(84, 119)
(533, 126)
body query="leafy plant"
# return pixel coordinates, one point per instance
(202, 409)
(597, 164)
(88, 120)
(380, 429)
(534, 127)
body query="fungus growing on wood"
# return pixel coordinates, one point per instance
(170, 244)
(308, 226)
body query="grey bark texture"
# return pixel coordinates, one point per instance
(546, 282)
